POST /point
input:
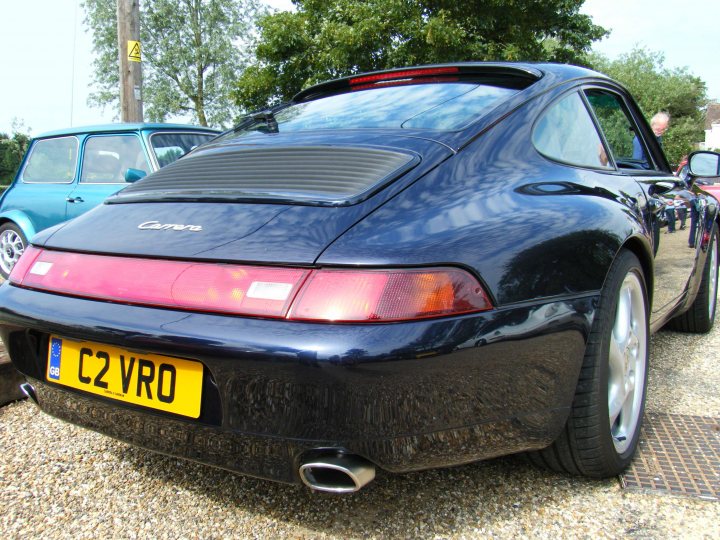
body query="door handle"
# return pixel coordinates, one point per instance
(74, 199)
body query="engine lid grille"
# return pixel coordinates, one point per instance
(335, 175)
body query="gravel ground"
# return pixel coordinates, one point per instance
(61, 481)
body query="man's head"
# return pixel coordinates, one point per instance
(659, 123)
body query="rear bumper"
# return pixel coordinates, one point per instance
(406, 396)
(278, 459)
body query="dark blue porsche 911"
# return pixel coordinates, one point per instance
(401, 270)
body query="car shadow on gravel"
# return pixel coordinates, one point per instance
(440, 500)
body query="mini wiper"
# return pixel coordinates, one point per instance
(265, 117)
(268, 118)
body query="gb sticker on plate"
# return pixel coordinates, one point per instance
(55, 354)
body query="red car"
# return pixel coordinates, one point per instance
(709, 185)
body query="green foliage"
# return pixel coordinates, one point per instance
(12, 150)
(615, 126)
(614, 123)
(657, 88)
(682, 138)
(192, 50)
(326, 39)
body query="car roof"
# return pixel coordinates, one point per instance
(123, 127)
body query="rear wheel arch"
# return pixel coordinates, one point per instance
(643, 252)
(20, 220)
(603, 428)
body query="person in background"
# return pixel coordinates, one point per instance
(681, 208)
(659, 124)
(670, 215)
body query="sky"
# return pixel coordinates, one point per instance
(46, 66)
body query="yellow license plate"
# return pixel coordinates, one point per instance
(160, 382)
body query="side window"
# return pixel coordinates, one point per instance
(107, 159)
(566, 132)
(52, 161)
(626, 146)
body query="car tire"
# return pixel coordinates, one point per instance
(700, 317)
(12, 245)
(612, 382)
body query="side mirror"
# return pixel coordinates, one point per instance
(704, 164)
(133, 175)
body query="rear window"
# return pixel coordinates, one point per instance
(52, 161)
(446, 106)
(169, 147)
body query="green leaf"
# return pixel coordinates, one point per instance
(193, 52)
(658, 88)
(326, 39)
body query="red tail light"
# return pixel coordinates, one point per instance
(23, 264)
(387, 295)
(226, 288)
(404, 82)
(293, 293)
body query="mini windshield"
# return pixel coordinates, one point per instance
(438, 106)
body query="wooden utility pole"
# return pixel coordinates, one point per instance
(128, 30)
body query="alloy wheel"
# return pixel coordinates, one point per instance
(11, 248)
(627, 363)
(712, 278)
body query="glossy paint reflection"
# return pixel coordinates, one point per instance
(383, 391)
(678, 216)
(487, 209)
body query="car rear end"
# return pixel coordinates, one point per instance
(191, 314)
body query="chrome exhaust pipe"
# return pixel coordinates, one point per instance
(337, 473)
(29, 391)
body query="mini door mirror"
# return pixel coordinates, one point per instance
(133, 175)
(704, 164)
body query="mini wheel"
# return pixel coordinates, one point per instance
(12, 246)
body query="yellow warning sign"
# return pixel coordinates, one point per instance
(134, 51)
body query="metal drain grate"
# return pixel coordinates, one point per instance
(677, 454)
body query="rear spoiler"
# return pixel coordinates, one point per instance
(522, 75)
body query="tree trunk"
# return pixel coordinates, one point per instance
(199, 79)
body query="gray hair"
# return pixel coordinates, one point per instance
(662, 116)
